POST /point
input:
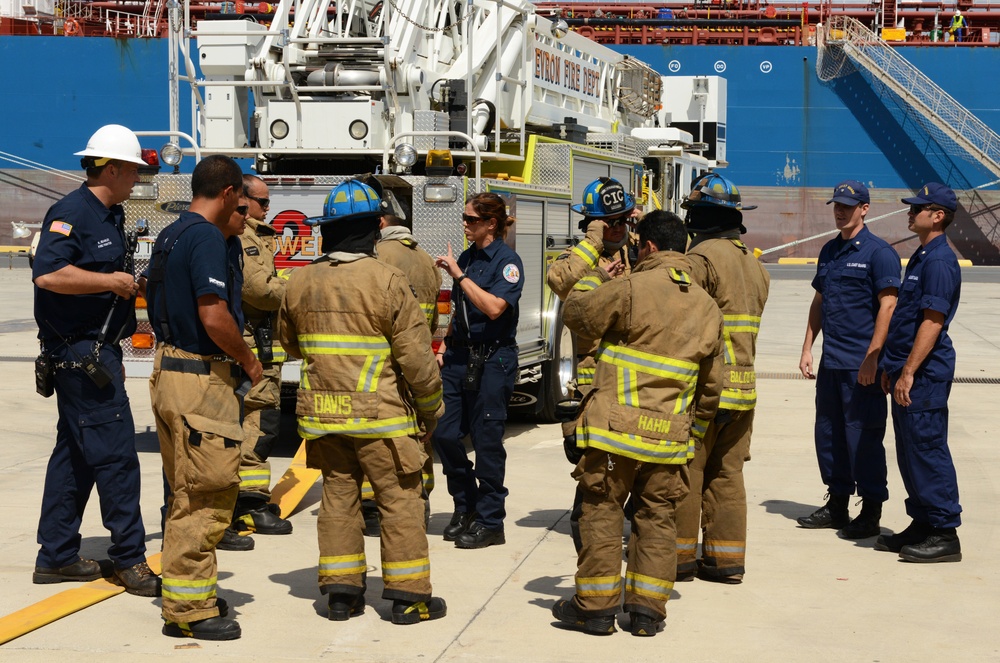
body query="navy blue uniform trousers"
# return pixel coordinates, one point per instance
(922, 452)
(95, 445)
(850, 429)
(483, 415)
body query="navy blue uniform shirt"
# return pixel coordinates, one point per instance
(932, 281)
(497, 269)
(80, 231)
(202, 262)
(849, 276)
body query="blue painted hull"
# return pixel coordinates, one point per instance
(791, 137)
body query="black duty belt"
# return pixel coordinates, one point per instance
(196, 366)
(460, 343)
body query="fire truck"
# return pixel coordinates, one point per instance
(437, 100)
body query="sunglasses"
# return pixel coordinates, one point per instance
(263, 202)
(469, 219)
(242, 210)
(917, 209)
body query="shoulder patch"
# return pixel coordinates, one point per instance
(61, 227)
(511, 273)
(252, 251)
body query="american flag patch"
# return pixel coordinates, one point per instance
(61, 227)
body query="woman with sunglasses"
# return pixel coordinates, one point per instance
(478, 366)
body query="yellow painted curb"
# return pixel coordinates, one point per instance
(294, 483)
(64, 603)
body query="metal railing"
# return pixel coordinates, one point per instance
(847, 38)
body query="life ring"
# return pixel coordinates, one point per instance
(71, 27)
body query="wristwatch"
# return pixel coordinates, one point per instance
(460, 278)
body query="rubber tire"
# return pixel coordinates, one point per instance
(557, 372)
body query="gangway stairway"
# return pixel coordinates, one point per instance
(846, 45)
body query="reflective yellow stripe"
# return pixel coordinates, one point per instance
(741, 323)
(429, 310)
(599, 586)
(310, 427)
(587, 252)
(735, 399)
(633, 446)
(587, 283)
(584, 376)
(628, 387)
(342, 344)
(727, 549)
(734, 324)
(647, 362)
(408, 570)
(189, 590)
(686, 546)
(367, 492)
(428, 480)
(255, 477)
(679, 276)
(429, 403)
(342, 565)
(641, 585)
(699, 428)
(368, 380)
(280, 356)
(684, 399)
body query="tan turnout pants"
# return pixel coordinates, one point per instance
(198, 426)
(605, 481)
(393, 466)
(717, 501)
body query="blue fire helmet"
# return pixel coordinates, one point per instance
(715, 190)
(351, 200)
(605, 197)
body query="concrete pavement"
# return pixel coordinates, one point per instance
(807, 594)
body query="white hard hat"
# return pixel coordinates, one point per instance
(113, 141)
(957, 12)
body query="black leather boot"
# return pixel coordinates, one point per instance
(867, 523)
(942, 545)
(213, 628)
(832, 515)
(256, 515)
(460, 522)
(915, 532)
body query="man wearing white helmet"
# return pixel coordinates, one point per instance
(958, 25)
(83, 307)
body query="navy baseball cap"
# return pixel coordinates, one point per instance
(850, 192)
(934, 193)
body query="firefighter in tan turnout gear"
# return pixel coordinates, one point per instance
(399, 248)
(656, 387)
(733, 276)
(262, 293)
(369, 383)
(193, 290)
(607, 210)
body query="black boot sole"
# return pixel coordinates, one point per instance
(52, 578)
(175, 631)
(954, 557)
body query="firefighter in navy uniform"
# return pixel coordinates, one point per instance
(262, 293)
(369, 383)
(732, 275)
(83, 307)
(478, 367)
(196, 388)
(607, 211)
(656, 387)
